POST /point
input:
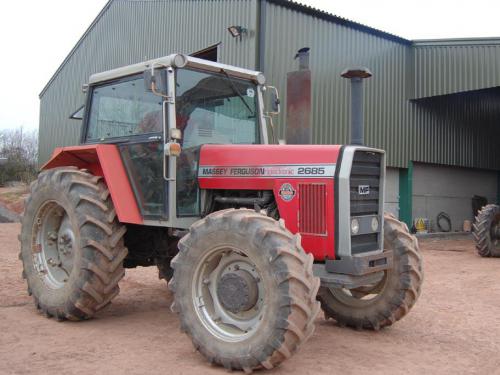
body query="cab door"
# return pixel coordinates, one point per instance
(122, 112)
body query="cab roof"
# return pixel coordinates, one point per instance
(176, 61)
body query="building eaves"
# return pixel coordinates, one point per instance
(73, 50)
(306, 9)
(495, 41)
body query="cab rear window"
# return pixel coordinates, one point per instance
(123, 109)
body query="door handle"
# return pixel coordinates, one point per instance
(154, 138)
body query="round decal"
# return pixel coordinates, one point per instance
(250, 93)
(287, 192)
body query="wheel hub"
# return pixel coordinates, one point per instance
(237, 291)
(229, 294)
(53, 247)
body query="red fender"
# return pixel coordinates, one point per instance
(102, 160)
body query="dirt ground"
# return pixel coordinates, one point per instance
(12, 198)
(453, 329)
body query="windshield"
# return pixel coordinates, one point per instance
(216, 108)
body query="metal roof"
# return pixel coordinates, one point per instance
(315, 12)
(494, 41)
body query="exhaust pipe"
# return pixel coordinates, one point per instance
(356, 75)
(299, 102)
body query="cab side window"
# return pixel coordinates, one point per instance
(122, 109)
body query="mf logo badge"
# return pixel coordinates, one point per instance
(364, 189)
(287, 192)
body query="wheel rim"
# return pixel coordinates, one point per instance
(364, 295)
(53, 244)
(223, 272)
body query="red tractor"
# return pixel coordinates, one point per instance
(486, 231)
(179, 168)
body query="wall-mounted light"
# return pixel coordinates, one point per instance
(237, 31)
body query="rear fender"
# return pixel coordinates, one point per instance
(105, 161)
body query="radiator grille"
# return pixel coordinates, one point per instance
(312, 209)
(365, 172)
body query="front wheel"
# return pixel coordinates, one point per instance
(388, 300)
(244, 290)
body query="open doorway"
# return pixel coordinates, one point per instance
(210, 53)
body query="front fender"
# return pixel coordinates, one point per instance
(105, 161)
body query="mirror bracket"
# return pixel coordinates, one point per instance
(275, 101)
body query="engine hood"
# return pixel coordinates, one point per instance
(250, 165)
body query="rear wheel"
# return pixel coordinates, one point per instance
(244, 290)
(71, 244)
(487, 231)
(391, 297)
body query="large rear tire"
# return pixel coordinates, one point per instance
(71, 244)
(487, 231)
(387, 301)
(244, 290)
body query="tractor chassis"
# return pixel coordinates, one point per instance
(354, 271)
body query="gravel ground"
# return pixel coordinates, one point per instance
(453, 329)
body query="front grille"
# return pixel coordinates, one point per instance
(365, 195)
(312, 209)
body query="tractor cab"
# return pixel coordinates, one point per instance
(160, 112)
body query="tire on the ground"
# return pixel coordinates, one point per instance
(99, 250)
(288, 278)
(486, 218)
(398, 290)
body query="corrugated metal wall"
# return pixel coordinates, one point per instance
(450, 66)
(433, 132)
(132, 31)
(459, 129)
(443, 131)
(333, 48)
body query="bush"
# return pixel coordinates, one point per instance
(19, 149)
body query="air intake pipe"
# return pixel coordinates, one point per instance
(356, 75)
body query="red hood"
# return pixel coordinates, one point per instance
(255, 155)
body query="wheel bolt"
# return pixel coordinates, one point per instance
(206, 281)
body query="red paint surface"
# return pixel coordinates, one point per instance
(257, 155)
(105, 161)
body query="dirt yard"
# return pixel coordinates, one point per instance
(453, 329)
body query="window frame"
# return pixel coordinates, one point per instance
(259, 136)
(73, 115)
(143, 137)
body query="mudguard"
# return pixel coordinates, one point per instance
(102, 160)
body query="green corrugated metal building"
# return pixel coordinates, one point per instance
(434, 105)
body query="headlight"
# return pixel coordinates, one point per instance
(375, 224)
(354, 226)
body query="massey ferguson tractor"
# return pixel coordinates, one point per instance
(486, 231)
(179, 168)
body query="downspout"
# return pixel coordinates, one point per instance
(498, 187)
(261, 29)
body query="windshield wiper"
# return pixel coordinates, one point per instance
(235, 90)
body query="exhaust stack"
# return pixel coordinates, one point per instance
(356, 75)
(298, 102)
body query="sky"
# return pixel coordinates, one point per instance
(36, 36)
